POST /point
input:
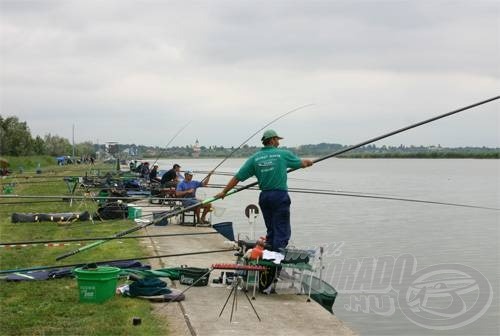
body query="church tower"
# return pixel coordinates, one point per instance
(196, 149)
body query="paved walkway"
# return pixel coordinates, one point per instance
(281, 314)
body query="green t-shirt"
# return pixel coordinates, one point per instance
(269, 165)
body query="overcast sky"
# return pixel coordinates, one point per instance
(137, 71)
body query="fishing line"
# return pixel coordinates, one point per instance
(234, 190)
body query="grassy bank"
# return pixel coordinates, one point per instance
(51, 306)
(29, 163)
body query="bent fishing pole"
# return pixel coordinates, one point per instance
(254, 134)
(234, 190)
(405, 129)
(172, 139)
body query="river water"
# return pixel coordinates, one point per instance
(399, 267)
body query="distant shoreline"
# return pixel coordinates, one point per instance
(320, 150)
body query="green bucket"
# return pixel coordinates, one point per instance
(8, 189)
(134, 212)
(102, 197)
(98, 284)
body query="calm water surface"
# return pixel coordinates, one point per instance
(454, 250)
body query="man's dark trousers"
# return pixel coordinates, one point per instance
(275, 206)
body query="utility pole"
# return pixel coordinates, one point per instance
(73, 141)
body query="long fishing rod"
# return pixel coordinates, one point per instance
(219, 186)
(133, 198)
(32, 202)
(406, 128)
(375, 196)
(254, 134)
(214, 173)
(68, 240)
(103, 262)
(226, 173)
(172, 139)
(234, 190)
(215, 185)
(394, 199)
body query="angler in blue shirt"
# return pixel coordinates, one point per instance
(187, 189)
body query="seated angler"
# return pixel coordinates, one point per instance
(145, 170)
(132, 165)
(171, 178)
(187, 189)
(153, 175)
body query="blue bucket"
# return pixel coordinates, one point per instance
(225, 229)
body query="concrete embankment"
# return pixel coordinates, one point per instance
(281, 313)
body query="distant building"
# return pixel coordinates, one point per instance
(112, 147)
(196, 149)
(131, 151)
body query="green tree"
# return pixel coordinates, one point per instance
(85, 148)
(56, 145)
(39, 146)
(15, 137)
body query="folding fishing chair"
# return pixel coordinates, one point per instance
(72, 182)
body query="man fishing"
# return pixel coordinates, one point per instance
(171, 178)
(269, 166)
(153, 174)
(187, 189)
